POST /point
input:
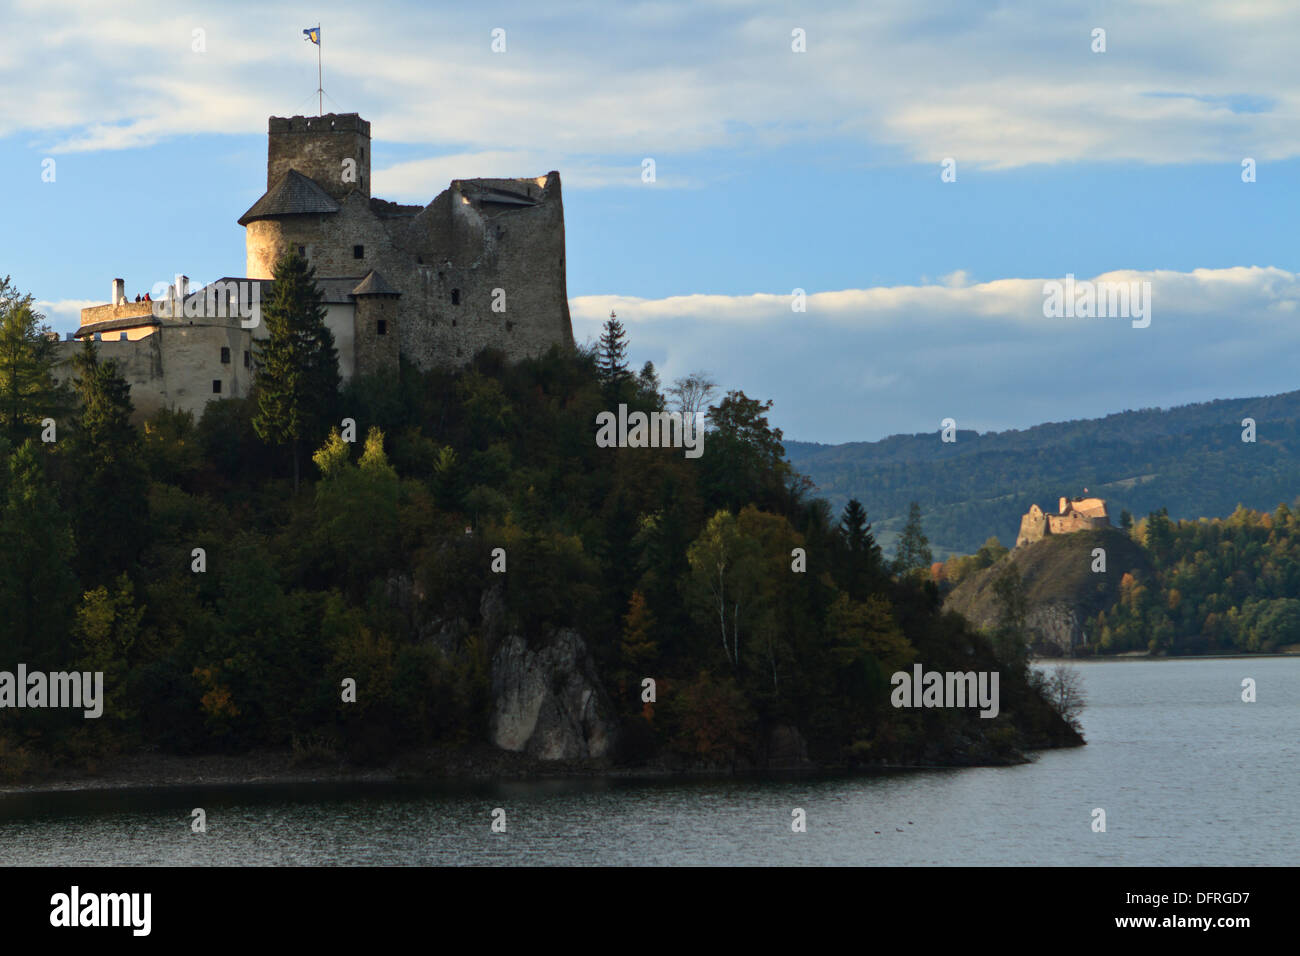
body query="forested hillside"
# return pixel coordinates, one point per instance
(1190, 460)
(228, 575)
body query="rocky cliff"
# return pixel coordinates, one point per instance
(1061, 588)
(547, 700)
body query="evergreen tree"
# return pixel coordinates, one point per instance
(28, 351)
(649, 385)
(913, 547)
(612, 361)
(863, 563)
(298, 367)
(37, 586)
(112, 517)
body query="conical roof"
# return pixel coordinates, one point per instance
(291, 194)
(374, 284)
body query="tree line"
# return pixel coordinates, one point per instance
(227, 572)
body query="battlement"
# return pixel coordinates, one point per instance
(329, 123)
(332, 150)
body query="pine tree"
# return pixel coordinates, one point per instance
(298, 366)
(612, 363)
(28, 352)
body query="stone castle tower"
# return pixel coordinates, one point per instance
(482, 265)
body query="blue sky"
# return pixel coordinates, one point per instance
(775, 170)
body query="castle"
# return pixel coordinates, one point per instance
(481, 265)
(1075, 514)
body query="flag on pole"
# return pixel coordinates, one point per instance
(312, 34)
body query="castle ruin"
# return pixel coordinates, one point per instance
(1074, 514)
(482, 265)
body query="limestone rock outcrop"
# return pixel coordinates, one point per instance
(547, 700)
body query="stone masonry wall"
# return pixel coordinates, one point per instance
(446, 261)
(317, 146)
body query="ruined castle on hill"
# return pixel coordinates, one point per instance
(1075, 514)
(481, 265)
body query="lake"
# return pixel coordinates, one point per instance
(1186, 772)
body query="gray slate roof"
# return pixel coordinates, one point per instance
(334, 291)
(374, 284)
(292, 194)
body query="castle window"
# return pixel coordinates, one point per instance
(216, 386)
(453, 323)
(225, 355)
(302, 251)
(358, 252)
(248, 361)
(381, 327)
(455, 296)
(510, 326)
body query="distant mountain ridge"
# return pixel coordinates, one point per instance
(1190, 459)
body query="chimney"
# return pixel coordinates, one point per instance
(182, 287)
(119, 291)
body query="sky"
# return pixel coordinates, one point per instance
(919, 170)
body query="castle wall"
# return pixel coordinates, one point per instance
(184, 380)
(1036, 524)
(446, 261)
(470, 249)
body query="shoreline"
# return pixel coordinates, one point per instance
(1145, 656)
(157, 772)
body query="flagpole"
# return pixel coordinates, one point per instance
(320, 86)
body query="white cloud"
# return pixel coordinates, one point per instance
(999, 87)
(64, 314)
(865, 363)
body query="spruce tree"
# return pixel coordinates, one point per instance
(298, 365)
(913, 547)
(612, 363)
(863, 563)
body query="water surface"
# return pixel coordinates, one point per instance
(1187, 773)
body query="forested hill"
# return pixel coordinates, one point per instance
(1190, 459)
